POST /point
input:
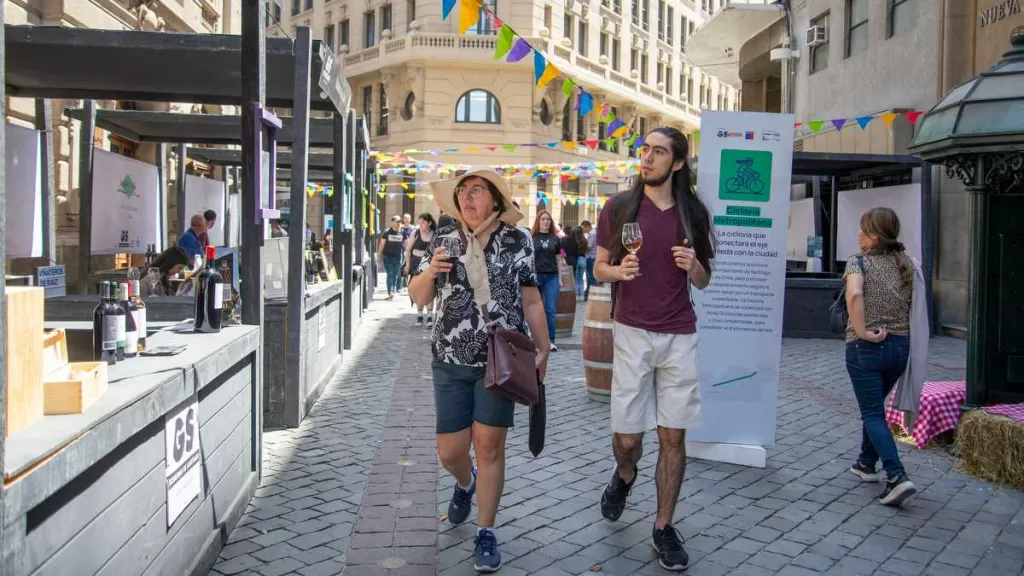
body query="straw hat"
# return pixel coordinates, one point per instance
(444, 194)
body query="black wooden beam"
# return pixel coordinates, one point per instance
(184, 220)
(295, 317)
(85, 157)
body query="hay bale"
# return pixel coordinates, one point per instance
(992, 447)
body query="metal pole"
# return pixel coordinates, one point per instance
(928, 234)
(296, 310)
(161, 179)
(833, 225)
(44, 124)
(978, 288)
(179, 191)
(4, 569)
(337, 203)
(358, 201)
(253, 72)
(85, 157)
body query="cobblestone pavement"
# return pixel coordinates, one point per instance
(803, 514)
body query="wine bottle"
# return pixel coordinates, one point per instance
(209, 296)
(139, 311)
(121, 328)
(104, 329)
(131, 330)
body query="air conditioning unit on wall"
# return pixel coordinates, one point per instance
(816, 36)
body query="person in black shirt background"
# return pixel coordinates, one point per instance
(389, 250)
(545, 253)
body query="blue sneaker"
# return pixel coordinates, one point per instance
(462, 502)
(486, 557)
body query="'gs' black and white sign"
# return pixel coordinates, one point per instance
(184, 463)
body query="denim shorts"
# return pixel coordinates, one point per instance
(460, 398)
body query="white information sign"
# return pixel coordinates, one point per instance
(744, 178)
(24, 207)
(125, 210)
(183, 456)
(53, 279)
(202, 194)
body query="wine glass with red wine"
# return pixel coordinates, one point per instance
(453, 248)
(632, 238)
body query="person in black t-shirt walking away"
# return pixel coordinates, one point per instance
(545, 254)
(389, 250)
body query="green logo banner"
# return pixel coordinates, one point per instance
(746, 175)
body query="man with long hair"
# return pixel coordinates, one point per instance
(654, 371)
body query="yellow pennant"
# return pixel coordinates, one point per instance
(888, 118)
(469, 14)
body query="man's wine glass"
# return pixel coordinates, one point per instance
(632, 238)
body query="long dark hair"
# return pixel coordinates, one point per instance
(884, 224)
(429, 219)
(693, 214)
(581, 239)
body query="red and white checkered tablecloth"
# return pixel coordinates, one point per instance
(940, 410)
(1014, 411)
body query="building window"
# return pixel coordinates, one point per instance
(309, 4)
(545, 113)
(690, 28)
(296, 7)
(682, 87)
(636, 12)
(385, 18)
(369, 29)
(682, 33)
(634, 60)
(548, 17)
(615, 5)
(343, 33)
(581, 127)
(409, 108)
(819, 53)
(485, 25)
(902, 16)
(410, 13)
(277, 12)
(367, 106)
(122, 146)
(567, 27)
(645, 20)
(567, 120)
(856, 26)
(661, 20)
(689, 90)
(581, 38)
(670, 16)
(603, 44)
(602, 133)
(616, 44)
(382, 128)
(668, 80)
(478, 106)
(329, 36)
(643, 68)
(660, 70)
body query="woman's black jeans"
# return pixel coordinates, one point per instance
(874, 370)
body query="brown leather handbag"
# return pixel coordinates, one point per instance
(511, 364)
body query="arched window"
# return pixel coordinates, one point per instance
(478, 106)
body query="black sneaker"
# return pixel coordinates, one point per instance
(669, 546)
(430, 321)
(897, 491)
(419, 320)
(866, 473)
(462, 502)
(613, 500)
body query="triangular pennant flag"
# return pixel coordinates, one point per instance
(815, 125)
(510, 147)
(839, 123)
(592, 144)
(550, 73)
(504, 42)
(405, 185)
(888, 117)
(411, 194)
(567, 86)
(552, 144)
(469, 15)
(864, 121)
(913, 116)
(446, 8)
(491, 148)
(521, 49)
(617, 128)
(569, 144)
(539, 66)
(586, 102)
(631, 140)
(380, 194)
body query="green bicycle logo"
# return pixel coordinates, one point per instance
(746, 178)
(127, 186)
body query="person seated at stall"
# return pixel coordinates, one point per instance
(169, 263)
(190, 241)
(211, 219)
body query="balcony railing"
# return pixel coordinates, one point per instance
(433, 45)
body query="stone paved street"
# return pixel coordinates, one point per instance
(320, 508)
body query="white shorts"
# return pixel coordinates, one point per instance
(654, 381)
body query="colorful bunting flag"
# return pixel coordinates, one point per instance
(839, 123)
(469, 14)
(504, 42)
(913, 116)
(864, 121)
(567, 86)
(447, 6)
(888, 118)
(586, 103)
(815, 125)
(521, 49)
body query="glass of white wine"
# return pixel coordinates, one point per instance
(632, 238)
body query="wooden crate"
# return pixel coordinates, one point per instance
(69, 388)
(23, 308)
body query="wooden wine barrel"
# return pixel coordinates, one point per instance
(565, 310)
(598, 346)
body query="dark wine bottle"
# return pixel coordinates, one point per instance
(139, 311)
(131, 330)
(209, 295)
(104, 329)
(121, 328)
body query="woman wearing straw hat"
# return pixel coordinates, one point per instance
(494, 268)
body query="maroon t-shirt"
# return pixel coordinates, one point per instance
(659, 299)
